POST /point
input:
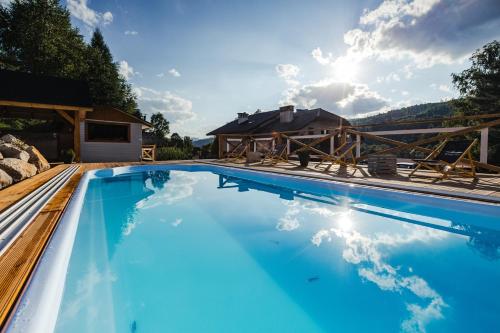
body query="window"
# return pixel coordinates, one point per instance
(107, 132)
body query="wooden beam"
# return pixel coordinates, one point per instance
(418, 131)
(67, 117)
(76, 136)
(45, 106)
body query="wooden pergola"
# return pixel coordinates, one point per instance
(28, 96)
(24, 110)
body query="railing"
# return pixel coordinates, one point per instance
(342, 133)
(148, 153)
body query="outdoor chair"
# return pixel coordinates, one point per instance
(343, 155)
(239, 151)
(447, 159)
(277, 154)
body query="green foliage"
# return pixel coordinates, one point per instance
(172, 153)
(176, 141)
(36, 36)
(106, 85)
(479, 88)
(160, 125)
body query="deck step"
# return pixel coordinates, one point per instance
(15, 218)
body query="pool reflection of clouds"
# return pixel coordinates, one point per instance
(179, 187)
(368, 253)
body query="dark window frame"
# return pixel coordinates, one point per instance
(87, 122)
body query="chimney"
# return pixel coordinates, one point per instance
(242, 117)
(286, 114)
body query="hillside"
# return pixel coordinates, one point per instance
(415, 112)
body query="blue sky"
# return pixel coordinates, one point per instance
(201, 62)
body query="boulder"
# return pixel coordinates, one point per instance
(37, 159)
(1, 156)
(9, 138)
(5, 179)
(17, 169)
(13, 151)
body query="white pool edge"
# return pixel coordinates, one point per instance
(42, 298)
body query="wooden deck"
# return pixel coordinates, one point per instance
(18, 262)
(485, 188)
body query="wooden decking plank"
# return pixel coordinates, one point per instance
(14, 193)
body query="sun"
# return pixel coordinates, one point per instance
(345, 69)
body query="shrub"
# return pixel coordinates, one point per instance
(171, 153)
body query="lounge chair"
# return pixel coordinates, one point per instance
(239, 151)
(277, 154)
(343, 155)
(446, 159)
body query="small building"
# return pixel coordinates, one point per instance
(260, 126)
(69, 119)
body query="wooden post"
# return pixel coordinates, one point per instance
(332, 144)
(483, 153)
(358, 146)
(221, 146)
(76, 135)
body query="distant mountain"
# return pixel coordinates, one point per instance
(415, 112)
(201, 142)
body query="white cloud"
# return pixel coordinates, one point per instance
(391, 77)
(107, 18)
(445, 88)
(174, 72)
(318, 56)
(416, 30)
(5, 2)
(131, 33)
(175, 108)
(160, 75)
(80, 10)
(347, 99)
(126, 70)
(288, 72)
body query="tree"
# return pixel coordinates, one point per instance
(479, 88)
(106, 85)
(36, 36)
(160, 125)
(176, 140)
(187, 143)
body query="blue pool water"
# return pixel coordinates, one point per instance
(211, 250)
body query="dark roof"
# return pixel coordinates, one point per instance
(268, 122)
(29, 88)
(109, 113)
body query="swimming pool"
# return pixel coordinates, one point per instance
(213, 249)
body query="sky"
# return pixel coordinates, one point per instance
(201, 62)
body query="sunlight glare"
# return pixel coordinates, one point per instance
(345, 69)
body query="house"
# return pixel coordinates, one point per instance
(300, 123)
(67, 119)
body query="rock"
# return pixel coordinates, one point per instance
(9, 138)
(13, 151)
(5, 179)
(37, 159)
(1, 156)
(17, 169)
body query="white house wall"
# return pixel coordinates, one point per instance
(112, 151)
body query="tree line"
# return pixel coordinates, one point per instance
(36, 36)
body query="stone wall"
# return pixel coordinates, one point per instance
(19, 161)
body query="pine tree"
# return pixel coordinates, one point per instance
(106, 85)
(36, 36)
